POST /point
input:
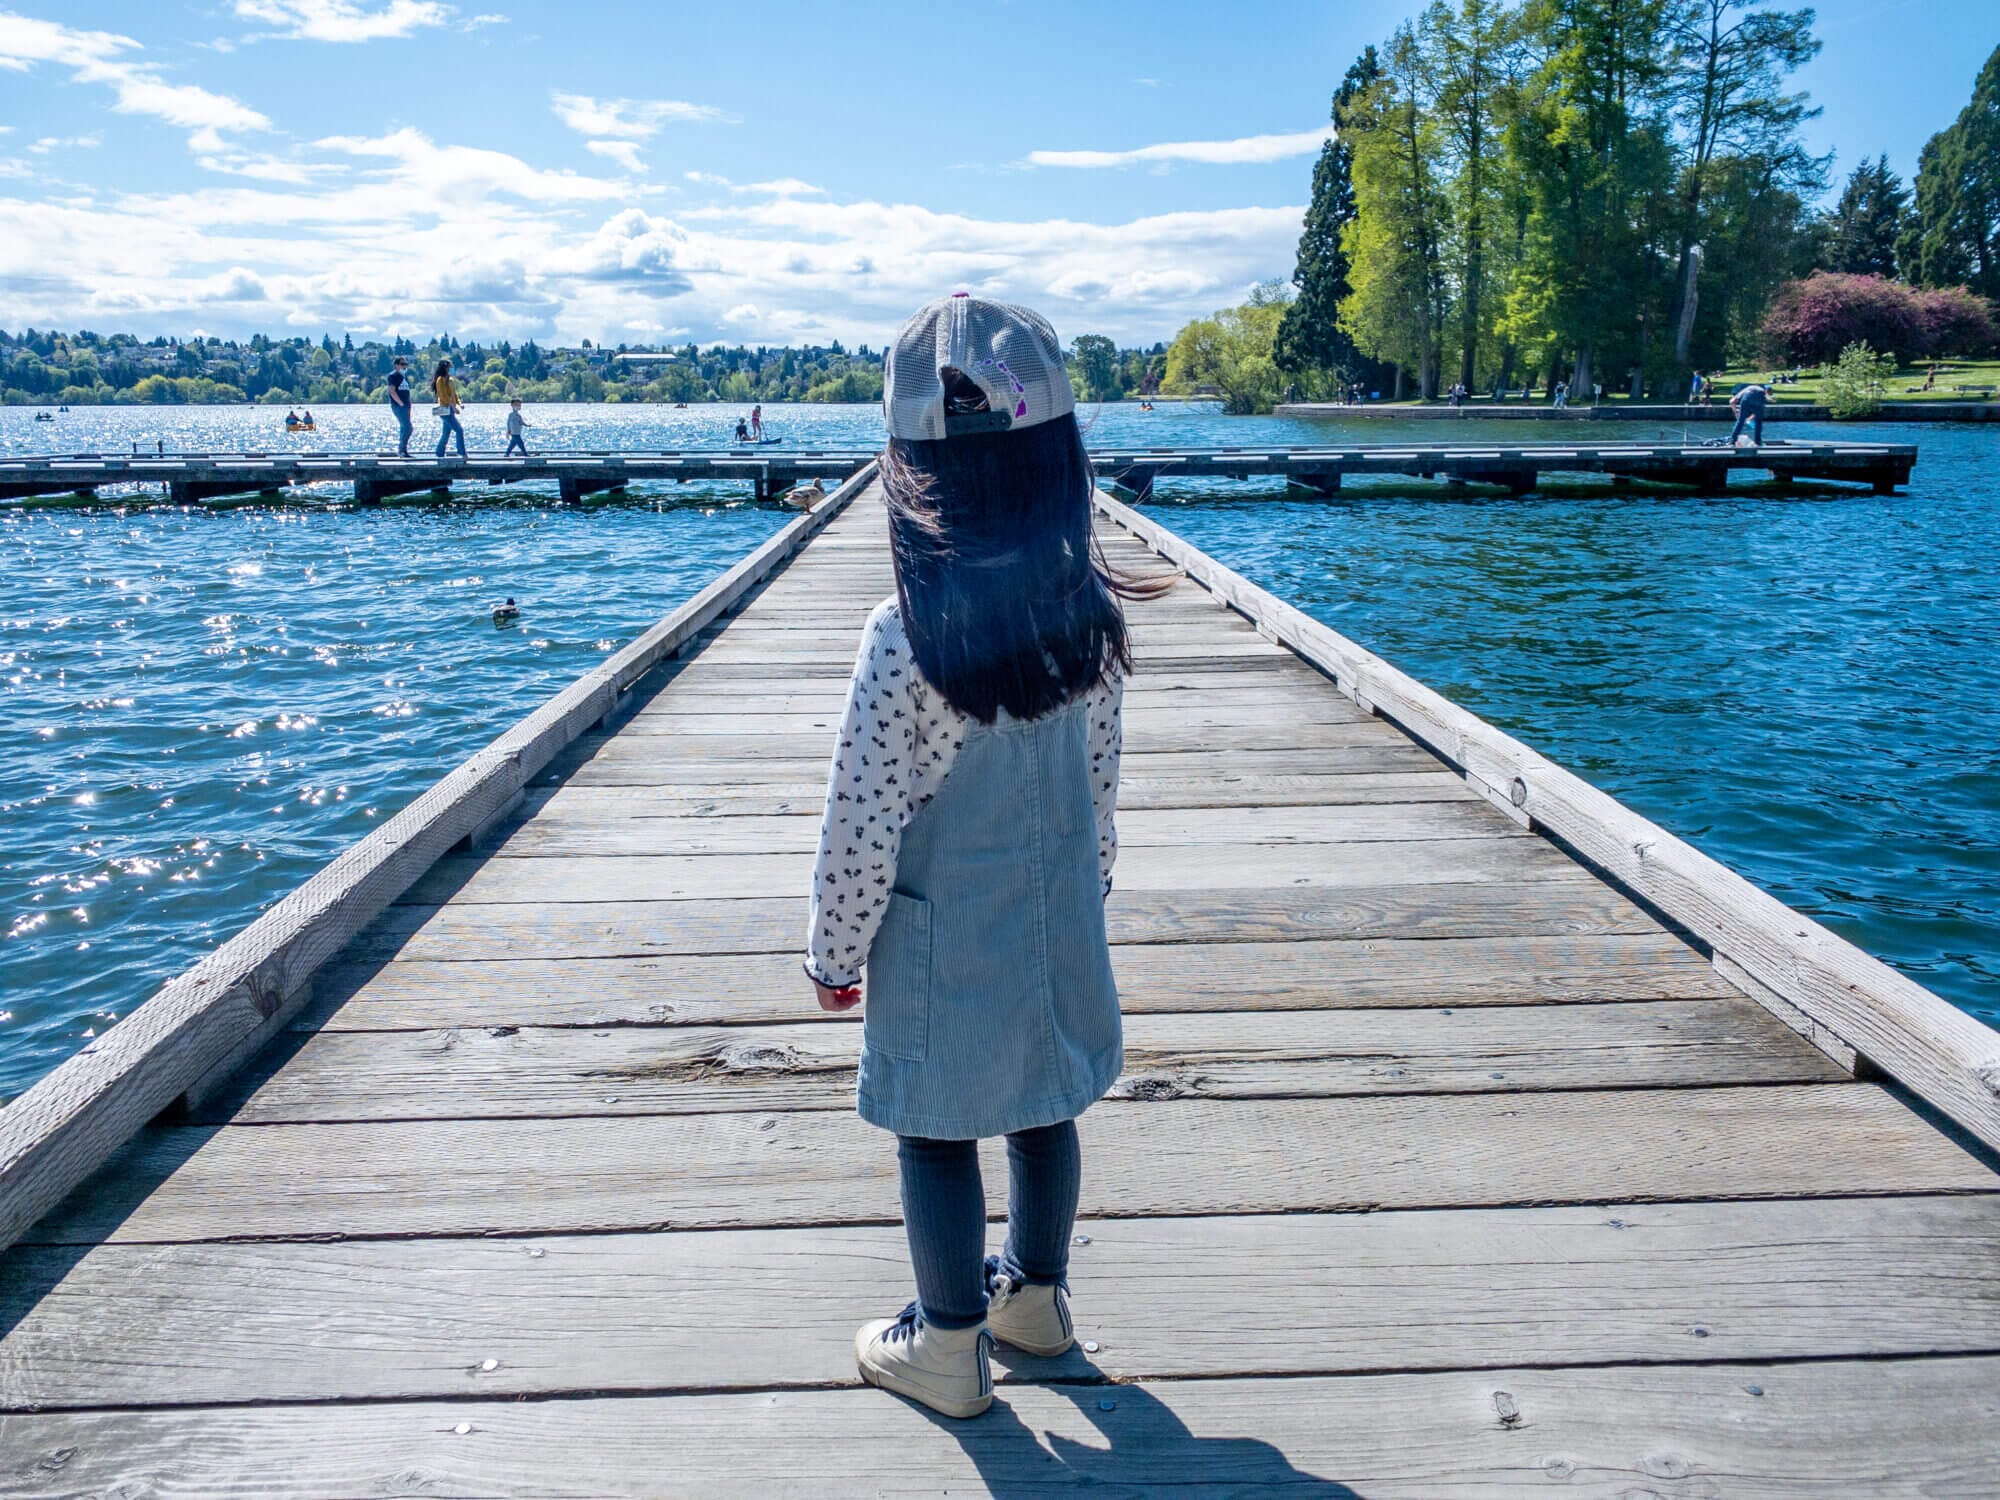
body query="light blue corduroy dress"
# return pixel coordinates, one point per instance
(990, 1004)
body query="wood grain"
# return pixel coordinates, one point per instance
(1173, 1157)
(611, 877)
(500, 1071)
(1455, 1289)
(1889, 1430)
(570, 832)
(479, 931)
(745, 988)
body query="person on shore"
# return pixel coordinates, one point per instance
(756, 424)
(1694, 388)
(1561, 394)
(1748, 404)
(1596, 392)
(399, 402)
(445, 391)
(966, 853)
(516, 427)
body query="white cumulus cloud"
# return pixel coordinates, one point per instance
(104, 57)
(344, 20)
(1249, 150)
(625, 153)
(627, 119)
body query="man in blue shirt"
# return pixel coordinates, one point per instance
(1748, 404)
(399, 403)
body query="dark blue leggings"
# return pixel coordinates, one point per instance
(944, 1210)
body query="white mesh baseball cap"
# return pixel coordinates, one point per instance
(1010, 353)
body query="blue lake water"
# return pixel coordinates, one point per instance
(200, 709)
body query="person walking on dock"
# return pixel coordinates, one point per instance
(1748, 404)
(969, 837)
(445, 390)
(516, 428)
(399, 403)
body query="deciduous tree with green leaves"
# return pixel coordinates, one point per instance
(1396, 307)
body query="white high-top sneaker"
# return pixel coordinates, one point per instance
(1034, 1319)
(944, 1368)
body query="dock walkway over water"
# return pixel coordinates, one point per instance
(194, 478)
(1477, 1138)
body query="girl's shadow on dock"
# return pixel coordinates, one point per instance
(1146, 1446)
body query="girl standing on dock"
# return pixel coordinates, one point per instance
(445, 390)
(969, 837)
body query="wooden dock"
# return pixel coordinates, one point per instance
(197, 478)
(509, 1156)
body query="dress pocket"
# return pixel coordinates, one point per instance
(896, 1014)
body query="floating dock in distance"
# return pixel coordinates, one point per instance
(1444, 1162)
(1515, 467)
(191, 478)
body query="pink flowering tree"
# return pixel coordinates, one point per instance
(1813, 320)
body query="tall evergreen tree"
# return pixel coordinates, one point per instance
(1862, 229)
(1954, 235)
(1310, 336)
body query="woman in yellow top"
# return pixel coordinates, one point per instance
(447, 408)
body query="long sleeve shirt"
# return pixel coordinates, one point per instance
(898, 741)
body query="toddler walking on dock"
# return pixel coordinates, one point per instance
(969, 837)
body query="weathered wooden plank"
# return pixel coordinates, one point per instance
(1894, 1429)
(1940, 1052)
(1279, 665)
(480, 931)
(204, 1023)
(641, 877)
(671, 715)
(739, 989)
(562, 831)
(623, 760)
(502, 1071)
(1160, 735)
(1139, 793)
(1176, 1157)
(1457, 1289)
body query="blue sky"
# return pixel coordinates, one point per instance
(776, 172)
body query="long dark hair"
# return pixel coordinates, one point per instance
(1006, 599)
(443, 369)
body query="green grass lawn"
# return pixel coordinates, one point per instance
(1904, 387)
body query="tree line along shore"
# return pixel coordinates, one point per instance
(1614, 194)
(49, 368)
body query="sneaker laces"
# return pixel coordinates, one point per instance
(908, 1321)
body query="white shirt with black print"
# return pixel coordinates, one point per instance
(898, 741)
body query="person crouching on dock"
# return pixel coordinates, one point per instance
(966, 850)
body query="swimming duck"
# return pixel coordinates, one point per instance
(506, 614)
